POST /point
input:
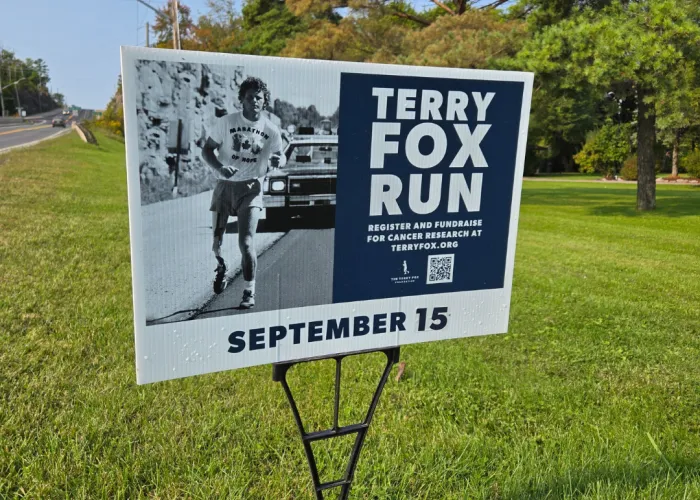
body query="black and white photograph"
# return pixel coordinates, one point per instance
(238, 175)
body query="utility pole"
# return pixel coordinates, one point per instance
(19, 106)
(12, 79)
(172, 19)
(2, 99)
(176, 27)
(148, 29)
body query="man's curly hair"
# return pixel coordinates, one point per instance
(256, 84)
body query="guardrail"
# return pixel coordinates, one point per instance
(85, 134)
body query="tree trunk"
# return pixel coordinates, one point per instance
(646, 176)
(674, 161)
(568, 164)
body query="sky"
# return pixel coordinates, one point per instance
(80, 40)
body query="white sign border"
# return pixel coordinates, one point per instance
(188, 348)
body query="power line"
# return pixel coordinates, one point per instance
(172, 19)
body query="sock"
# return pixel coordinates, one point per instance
(250, 285)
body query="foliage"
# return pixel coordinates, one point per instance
(163, 26)
(297, 116)
(33, 78)
(372, 38)
(475, 39)
(649, 43)
(334, 41)
(267, 26)
(605, 149)
(691, 163)
(629, 169)
(642, 49)
(679, 107)
(59, 99)
(113, 116)
(595, 360)
(533, 161)
(646, 52)
(543, 13)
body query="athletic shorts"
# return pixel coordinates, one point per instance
(231, 197)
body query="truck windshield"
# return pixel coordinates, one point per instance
(312, 155)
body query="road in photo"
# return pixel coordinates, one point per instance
(283, 275)
(179, 269)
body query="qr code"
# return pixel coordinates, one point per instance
(440, 269)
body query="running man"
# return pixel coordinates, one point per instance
(246, 141)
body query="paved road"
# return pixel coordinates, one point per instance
(15, 136)
(11, 121)
(297, 271)
(34, 128)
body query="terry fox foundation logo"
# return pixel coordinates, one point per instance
(405, 275)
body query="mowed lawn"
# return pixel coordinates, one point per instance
(594, 392)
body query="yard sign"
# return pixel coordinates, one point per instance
(385, 200)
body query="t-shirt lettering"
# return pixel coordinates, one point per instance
(246, 145)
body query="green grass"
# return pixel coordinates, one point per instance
(592, 394)
(681, 175)
(568, 176)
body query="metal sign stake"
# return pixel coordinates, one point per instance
(279, 374)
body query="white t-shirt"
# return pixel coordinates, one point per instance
(246, 145)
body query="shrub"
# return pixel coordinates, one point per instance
(691, 162)
(629, 169)
(605, 149)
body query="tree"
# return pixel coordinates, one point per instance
(163, 26)
(393, 32)
(33, 77)
(268, 25)
(219, 31)
(641, 48)
(59, 99)
(474, 39)
(299, 116)
(263, 28)
(371, 38)
(543, 13)
(113, 116)
(678, 112)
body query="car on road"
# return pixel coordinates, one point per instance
(305, 186)
(58, 122)
(66, 112)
